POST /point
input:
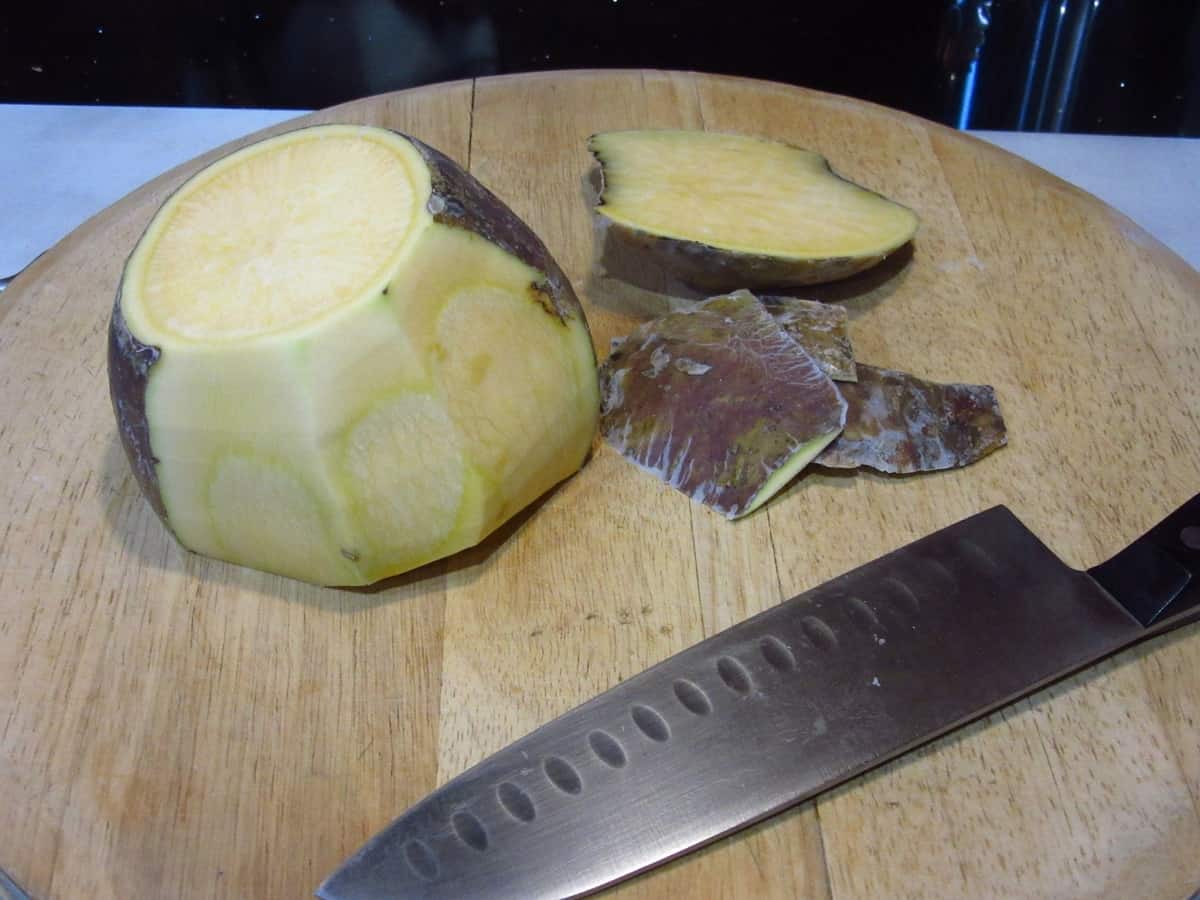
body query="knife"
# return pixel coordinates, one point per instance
(778, 708)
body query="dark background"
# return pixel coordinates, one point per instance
(1111, 66)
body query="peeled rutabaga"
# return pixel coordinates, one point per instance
(898, 423)
(718, 401)
(336, 356)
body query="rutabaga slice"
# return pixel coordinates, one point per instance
(898, 423)
(820, 328)
(720, 212)
(336, 356)
(719, 402)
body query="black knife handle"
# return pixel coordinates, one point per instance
(1157, 577)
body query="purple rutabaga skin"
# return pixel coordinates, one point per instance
(899, 424)
(709, 269)
(129, 364)
(715, 399)
(460, 200)
(820, 328)
(457, 199)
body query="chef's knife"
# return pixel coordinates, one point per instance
(779, 708)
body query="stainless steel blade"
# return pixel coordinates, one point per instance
(755, 719)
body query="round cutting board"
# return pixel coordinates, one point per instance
(173, 726)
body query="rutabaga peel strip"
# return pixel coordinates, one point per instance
(820, 328)
(719, 402)
(900, 424)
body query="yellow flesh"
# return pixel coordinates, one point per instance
(780, 478)
(264, 245)
(743, 194)
(364, 433)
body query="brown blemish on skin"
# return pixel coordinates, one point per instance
(540, 293)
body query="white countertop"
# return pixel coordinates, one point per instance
(62, 164)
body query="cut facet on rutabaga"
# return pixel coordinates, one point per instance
(898, 423)
(721, 212)
(719, 402)
(820, 328)
(336, 356)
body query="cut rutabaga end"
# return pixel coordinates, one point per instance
(898, 423)
(336, 356)
(820, 328)
(720, 212)
(719, 402)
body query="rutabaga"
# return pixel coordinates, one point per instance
(336, 356)
(719, 212)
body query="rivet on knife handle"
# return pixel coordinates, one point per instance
(777, 709)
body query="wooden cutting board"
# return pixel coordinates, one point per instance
(172, 726)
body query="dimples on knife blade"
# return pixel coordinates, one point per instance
(755, 719)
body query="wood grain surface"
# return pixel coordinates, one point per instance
(172, 726)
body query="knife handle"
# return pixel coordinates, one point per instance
(1157, 577)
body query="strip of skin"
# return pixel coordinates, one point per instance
(899, 424)
(458, 199)
(705, 269)
(129, 364)
(820, 328)
(719, 402)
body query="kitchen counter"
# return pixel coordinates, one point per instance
(66, 163)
